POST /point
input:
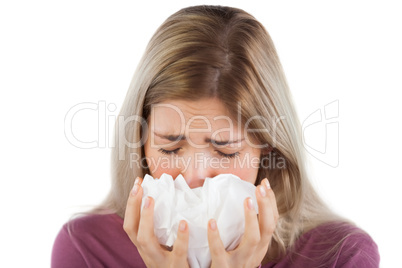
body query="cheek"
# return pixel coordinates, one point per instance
(246, 168)
(246, 174)
(159, 164)
(157, 172)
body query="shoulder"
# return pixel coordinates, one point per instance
(340, 244)
(333, 244)
(94, 241)
(93, 224)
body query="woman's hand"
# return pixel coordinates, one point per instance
(257, 235)
(140, 228)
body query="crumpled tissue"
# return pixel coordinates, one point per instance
(220, 198)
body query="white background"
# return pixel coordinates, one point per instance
(56, 54)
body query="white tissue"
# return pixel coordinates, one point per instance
(220, 198)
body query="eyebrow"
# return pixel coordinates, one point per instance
(182, 137)
(171, 137)
(220, 143)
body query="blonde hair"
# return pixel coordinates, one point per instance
(224, 53)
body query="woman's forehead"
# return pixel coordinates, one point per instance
(182, 117)
(204, 106)
(199, 114)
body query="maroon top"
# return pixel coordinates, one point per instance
(100, 241)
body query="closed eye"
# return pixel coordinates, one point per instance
(169, 152)
(228, 155)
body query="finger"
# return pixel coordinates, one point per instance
(268, 211)
(133, 211)
(251, 237)
(272, 197)
(180, 247)
(216, 247)
(147, 243)
(146, 224)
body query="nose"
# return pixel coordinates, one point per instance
(197, 170)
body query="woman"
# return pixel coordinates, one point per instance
(210, 86)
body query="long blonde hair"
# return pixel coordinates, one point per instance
(221, 52)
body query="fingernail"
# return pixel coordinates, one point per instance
(134, 191)
(266, 183)
(182, 226)
(212, 224)
(137, 181)
(250, 203)
(262, 191)
(147, 202)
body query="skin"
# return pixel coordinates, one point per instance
(199, 139)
